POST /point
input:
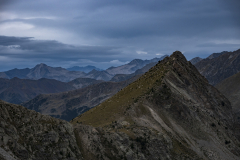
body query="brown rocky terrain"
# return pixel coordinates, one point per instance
(171, 112)
(218, 67)
(28, 135)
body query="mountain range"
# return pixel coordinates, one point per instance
(218, 67)
(64, 75)
(170, 112)
(17, 90)
(85, 69)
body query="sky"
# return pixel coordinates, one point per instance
(107, 33)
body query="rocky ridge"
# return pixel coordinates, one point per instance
(171, 112)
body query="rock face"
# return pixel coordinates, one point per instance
(170, 112)
(195, 60)
(219, 66)
(68, 105)
(28, 135)
(18, 90)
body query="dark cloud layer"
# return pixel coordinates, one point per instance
(65, 33)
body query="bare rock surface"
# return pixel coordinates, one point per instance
(28, 135)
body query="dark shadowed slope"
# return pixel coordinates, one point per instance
(20, 90)
(219, 67)
(230, 87)
(170, 112)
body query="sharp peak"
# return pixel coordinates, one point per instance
(178, 55)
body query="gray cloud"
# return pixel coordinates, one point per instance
(97, 32)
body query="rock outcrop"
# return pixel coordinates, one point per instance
(28, 135)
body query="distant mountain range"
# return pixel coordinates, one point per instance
(85, 69)
(64, 75)
(17, 90)
(68, 105)
(43, 71)
(219, 66)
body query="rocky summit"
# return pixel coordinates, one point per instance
(171, 112)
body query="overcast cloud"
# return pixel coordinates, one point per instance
(110, 33)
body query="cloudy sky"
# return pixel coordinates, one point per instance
(108, 33)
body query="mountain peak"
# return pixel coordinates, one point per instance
(178, 55)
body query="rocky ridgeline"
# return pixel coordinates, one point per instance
(26, 134)
(171, 112)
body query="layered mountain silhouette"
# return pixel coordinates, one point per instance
(44, 71)
(68, 105)
(219, 66)
(64, 75)
(17, 90)
(85, 69)
(170, 112)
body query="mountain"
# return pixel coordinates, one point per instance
(221, 67)
(230, 87)
(99, 75)
(195, 60)
(28, 135)
(170, 112)
(18, 90)
(83, 82)
(132, 66)
(58, 73)
(123, 77)
(43, 71)
(68, 105)
(85, 69)
(215, 55)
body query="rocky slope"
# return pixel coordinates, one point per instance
(18, 90)
(171, 112)
(195, 60)
(99, 75)
(219, 66)
(28, 135)
(68, 105)
(230, 87)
